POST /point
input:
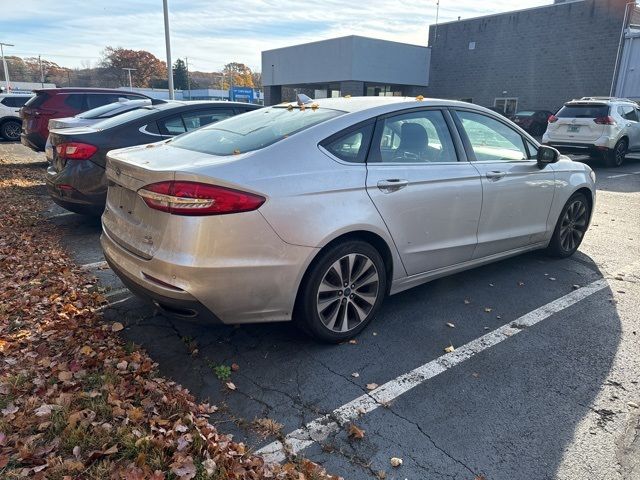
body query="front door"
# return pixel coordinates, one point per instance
(516, 194)
(428, 199)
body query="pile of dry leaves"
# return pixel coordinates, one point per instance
(75, 401)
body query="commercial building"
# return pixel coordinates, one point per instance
(537, 58)
(237, 94)
(351, 65)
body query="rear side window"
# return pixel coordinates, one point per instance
(628, 113)
(14, 102)
(253, 130)
(75, 100)
(193, 120)
(583, 111)
(37, 101)
(172, 125)
(350, 145)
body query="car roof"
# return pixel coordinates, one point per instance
(87, 90)
(356, 104)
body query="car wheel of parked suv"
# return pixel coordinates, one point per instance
(342, 291)
(10, 130)
(571, 227)
(615, 157)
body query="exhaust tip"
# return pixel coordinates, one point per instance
(176, 311)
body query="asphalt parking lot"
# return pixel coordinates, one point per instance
(543, 382)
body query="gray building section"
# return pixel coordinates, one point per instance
(350, 65)
(535, 58)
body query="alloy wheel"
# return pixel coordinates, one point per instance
(620, 152)
(347, 293)
(12, 130)
(573, 226)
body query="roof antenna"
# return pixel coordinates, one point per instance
(303, 99)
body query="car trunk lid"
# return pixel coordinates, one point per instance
(66, 135)
(576, 122)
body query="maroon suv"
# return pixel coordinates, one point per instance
(62, 102)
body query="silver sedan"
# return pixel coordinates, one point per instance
(315, 211)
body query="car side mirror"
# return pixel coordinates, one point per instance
(547, 155)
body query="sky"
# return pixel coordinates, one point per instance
(73, 33)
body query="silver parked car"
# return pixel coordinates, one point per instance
(315, 211)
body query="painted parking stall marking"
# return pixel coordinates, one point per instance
(319, 429)
(95, 265)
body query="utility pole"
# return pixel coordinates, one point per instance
(165, 8)
(129, 70)
(435, 30)
(4, 64)
(188, 79)
(41, 72)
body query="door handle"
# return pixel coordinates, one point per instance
(392, 185)
(495, 175)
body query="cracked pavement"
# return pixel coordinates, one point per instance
(554, 402)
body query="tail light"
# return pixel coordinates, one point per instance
(608, 120)
(196, 199)
(552, 119)
(76, 150)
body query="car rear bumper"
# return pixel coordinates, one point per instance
(33, 140)
(233, 271)
(577, 148)
(79, 187)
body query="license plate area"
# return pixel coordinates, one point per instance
(573, 128)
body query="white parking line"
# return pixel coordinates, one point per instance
(94, 265)
(620, 175)
(116, 292)
(65, 214)
(111, 304)
(320, 428)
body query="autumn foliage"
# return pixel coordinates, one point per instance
(75, 401)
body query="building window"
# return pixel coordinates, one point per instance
(508, 106)
(383, 91)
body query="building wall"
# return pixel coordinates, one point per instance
(543, 56)
(346, 59)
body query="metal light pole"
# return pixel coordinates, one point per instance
(4, 63)
(168, 42)
(129, 72)
(188, 79)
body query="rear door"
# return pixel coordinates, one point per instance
(428, 196)
(629, 115)
(576, 123)
(516, 194)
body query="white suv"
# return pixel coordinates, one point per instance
(10, 123)
(603, 126)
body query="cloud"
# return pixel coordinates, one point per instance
(212, 34)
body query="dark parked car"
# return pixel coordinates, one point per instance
(62, 102)
(532, 121)
(76, 178)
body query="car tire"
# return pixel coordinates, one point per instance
(326, 308)
(571, 227)
(615, 157)
(10, 130)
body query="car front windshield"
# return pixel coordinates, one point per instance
(253, 130)
(524, 114)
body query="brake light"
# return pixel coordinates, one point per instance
(552, 119)
(195, 199)
(608, 120)
(76, 150)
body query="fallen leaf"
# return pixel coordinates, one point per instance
(449, 349)
(553, 279)
(467, 301)
(65, 376)
(209, 466)
(116, 327)
(231, 385)
(372, 386)
(633, 404)
(395, 461)
(353, 341)
(184, 469)
(491, 285)
(521, 284)
(234, 368)
(488, 309)
(355, 374)
(450, 325)
(355, 432)
(10, 410)
(86, 350)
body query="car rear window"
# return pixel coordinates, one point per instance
(524, 114)
(253, 130)
(583, 111)
(111, 109)
(37, 101)
(124, 118)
